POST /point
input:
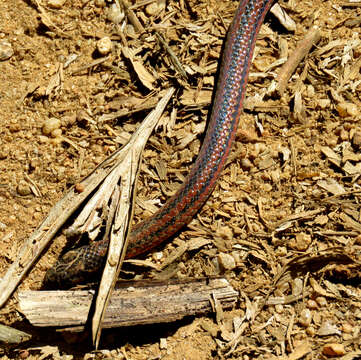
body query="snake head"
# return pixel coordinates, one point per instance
(77, 266)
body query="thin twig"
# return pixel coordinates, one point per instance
(302, 49)
(132, 17)
(90, 65)
(177, 64)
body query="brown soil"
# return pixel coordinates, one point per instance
(290, 189)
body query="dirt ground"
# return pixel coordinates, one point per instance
(284, 220)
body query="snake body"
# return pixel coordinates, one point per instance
(77, 265)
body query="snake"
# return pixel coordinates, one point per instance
(83, 263)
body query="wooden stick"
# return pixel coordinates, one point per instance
(302, 49)
(176, 62)
(132, 17)
(136, 303)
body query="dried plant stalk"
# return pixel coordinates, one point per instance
(135, 303)
(125, 175)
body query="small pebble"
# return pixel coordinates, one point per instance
(343, 135)
(279, 308)
(56, 133)
(56, 141)
(69, 120)
(312, 304)
(267, 188)
(104, 45)
(23, 188)
(305, 317)
(43, 139)
(24, 354)
(297, 287)
(152, 9)
(56, 4)
(50, 125)
(317, 318)
(246, 164)
(321, 301)
(236, 256)
(83, 118)
(79, 187)
(158, 255)
(324, 103)
(281, 251)
(225, 232)
(6, 50)
(115, 15)
(226, 261)
(301, 242)
(311, 331)
(347, 328)
(163, 343)
(333, 349)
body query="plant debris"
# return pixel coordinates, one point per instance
(287, 206)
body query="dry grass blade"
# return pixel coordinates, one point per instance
(177, 64)
(131, 16)
(126, 170)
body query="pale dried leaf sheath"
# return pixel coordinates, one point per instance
(283, 17)
(127, 171)
(177, 64)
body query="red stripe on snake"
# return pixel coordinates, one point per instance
(77, 265)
